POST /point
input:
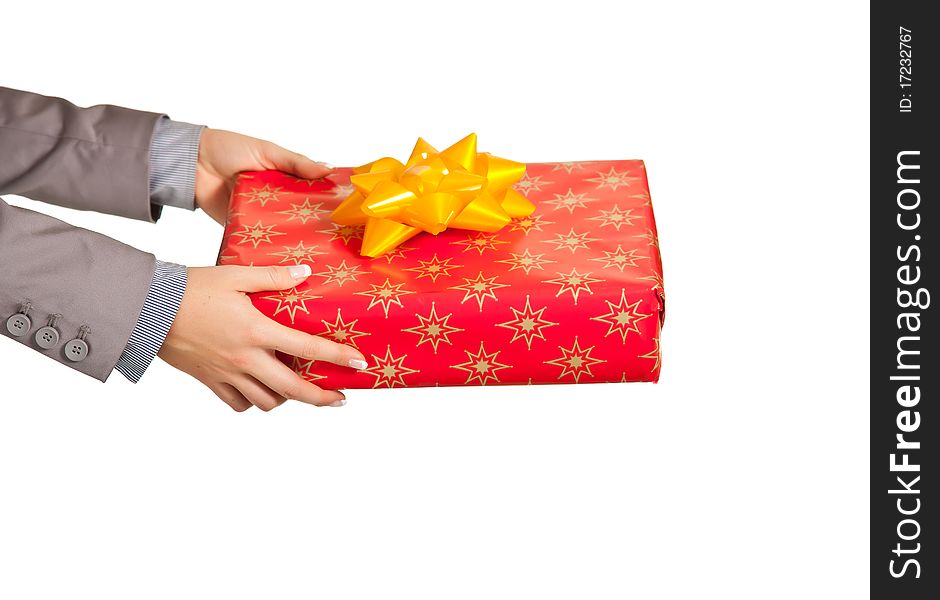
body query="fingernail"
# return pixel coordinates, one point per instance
(299, 271)
(338, 403)
(326, 165)
(357, 363)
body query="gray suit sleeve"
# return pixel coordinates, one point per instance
(89, 159)
(93, 158)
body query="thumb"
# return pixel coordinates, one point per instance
(260, 279)
(295, 164)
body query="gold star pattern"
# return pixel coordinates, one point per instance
(262, 195)
(622, 318)
(343, 190)
(305, 211)
(482, 366)
(615, 217)
(573, 282)
(657, 280)
(568, 167)
(340, 274)
(344, 232)
(655, 354)
(620, 259)
(433, 329)
(480, 241)
(650, 238)
(304, 368)
(309, 182)
(385, 295)
(341, 331)
(525, 261)
(297, 254)
(479, 288)
(527, 324)
(531, 184)
(575, 361)
(569, 200)
(571, 240)
(388, 370)
(256, 234)
(434, 268)
(527, 224)
(290, 301)
(642, 195)
(398, 252)
(612, 179)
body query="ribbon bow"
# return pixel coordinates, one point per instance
(457, 187)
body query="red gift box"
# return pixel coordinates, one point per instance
(571, 294)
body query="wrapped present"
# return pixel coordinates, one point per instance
(571, 293)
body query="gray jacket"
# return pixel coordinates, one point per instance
(93, 158)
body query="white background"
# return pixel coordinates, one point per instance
(743, 474)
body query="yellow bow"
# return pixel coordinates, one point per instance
(457, 187)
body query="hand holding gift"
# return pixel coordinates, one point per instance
(219, 338)
(224, 154)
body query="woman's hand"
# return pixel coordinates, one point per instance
(223, 155)
(219, 338)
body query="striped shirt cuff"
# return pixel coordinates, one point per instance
(156, 316)
(174, 152)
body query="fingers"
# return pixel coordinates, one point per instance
(231, 396)
(260, 279)
(312, 347)
(285, 383)
(249, 361)
(258, 394)
(296, 164)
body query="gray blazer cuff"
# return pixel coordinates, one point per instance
(159, 309)
(174, 151)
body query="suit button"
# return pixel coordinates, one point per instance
(19, 324)
(47, 337)
(76, 350)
